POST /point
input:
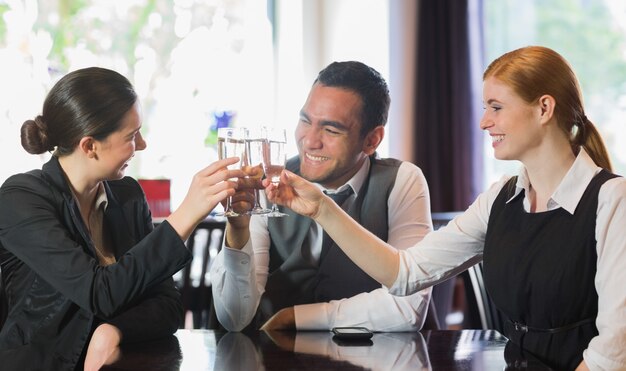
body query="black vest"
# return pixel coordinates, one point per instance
(294, 278)
(539, 270)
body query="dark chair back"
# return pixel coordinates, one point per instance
(481, 308)
(431, 322)
(194, 281)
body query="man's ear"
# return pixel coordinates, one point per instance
(373, 139)
(87, 145)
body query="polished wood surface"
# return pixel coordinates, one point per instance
(285, 350)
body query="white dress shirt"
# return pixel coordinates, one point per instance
(239, 281)
(459, 245)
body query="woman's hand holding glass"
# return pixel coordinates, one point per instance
(296, 193)
(208, 187)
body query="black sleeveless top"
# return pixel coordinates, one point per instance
(539, 270)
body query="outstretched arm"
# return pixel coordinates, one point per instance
(371, 254)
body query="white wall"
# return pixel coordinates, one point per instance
(328, 30)
(402, 62)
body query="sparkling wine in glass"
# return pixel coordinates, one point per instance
(253, 167)
(231, 142)
(274, 158)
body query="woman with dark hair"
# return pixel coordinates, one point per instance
(82, 267)
(551, 239)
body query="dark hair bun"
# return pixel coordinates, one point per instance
(34, 136)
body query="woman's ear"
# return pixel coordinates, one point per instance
(373, 139)
(546, 105)
(87, 146)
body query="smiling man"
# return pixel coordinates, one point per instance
(285, 272)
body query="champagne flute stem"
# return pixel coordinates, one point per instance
(229, 212)
(256, 199)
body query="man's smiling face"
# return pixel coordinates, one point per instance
(328, 136)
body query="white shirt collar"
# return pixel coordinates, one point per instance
(101, 198)
(356, 182)
(569, 192)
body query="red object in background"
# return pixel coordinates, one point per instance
(158, 195)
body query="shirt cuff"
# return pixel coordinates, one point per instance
(311, 316)
(238, 261)
(596, 361)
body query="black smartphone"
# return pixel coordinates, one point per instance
(352, 333)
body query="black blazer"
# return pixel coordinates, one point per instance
(58, 293)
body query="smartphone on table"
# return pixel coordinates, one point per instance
(352, 336)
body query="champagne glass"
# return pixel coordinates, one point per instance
(274, 158)
(253, 167)
(231, 142)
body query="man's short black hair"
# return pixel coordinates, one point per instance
(365, 82)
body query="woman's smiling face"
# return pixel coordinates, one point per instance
(119, 147)
(511, 122)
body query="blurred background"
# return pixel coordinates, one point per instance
(200, 64)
